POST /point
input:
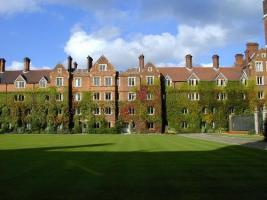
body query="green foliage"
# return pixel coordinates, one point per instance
(208, 114)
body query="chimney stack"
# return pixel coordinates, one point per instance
(216, 61)
(188, 61)
(239, 60)
(141, 61)
(89, 63)
(2, 65)
(69, 63)
(75, 65)
(265, 19)
(27, 62)
(252, 48)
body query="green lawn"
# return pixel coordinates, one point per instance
(128, 167)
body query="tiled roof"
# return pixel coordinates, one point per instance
(33, 76)
(181, 74)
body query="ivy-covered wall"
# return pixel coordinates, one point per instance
(207, 114)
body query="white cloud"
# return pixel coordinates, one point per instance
(16, 65)
(160, 49)
(15, 6)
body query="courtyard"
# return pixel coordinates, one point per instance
(129, 167)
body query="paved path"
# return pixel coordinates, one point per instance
(248, 141)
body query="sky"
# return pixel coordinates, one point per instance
(47, 31)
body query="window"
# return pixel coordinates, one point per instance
(108, 111)
(131, 96)
(261, 95)
(194, 96)
(19, 97)
(221, 82)
(20, 84)
(193, 82)
(97, 125)
(150, 110)
(108, 81)
(150, 80)
(109, 125)
(59, 111)
(108, 96)
(244, 96)
(78, 111)
(185, 111)
(232, 110)
(150, 125)
(43, 83)
(59, 70)
(213, 125)
(260, 80)
(96, 111)
(150, 96)
(205, 110)
(263, 55)
(221, 96)
(259, 66)
(131, 111)
(78, 82)
(168, 82)
(131, 81)
(96, 81)
(59, 82)
(78, 97)
(47, 98)
(244, 81)
(102, 67)
(213, 110)
(150, 69)
(28, 126)
(96, 96)
(59, 97)
(184, 125)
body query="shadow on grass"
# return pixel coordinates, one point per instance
(69, 173)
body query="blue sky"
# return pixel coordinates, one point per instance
(165, 31)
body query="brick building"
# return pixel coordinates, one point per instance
(137, 97)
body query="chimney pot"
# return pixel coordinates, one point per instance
(239, 60)
(75, 65)
(142, 61)
(216, 61)
(2, 65)
(89, 63)
(188, 61)
(27, 62)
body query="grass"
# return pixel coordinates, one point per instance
(128, 167)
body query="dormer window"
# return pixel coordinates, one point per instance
(43, 83)
(102, 67)
(193, 82)
(150, 69)
(221, 82)
(168, 81)
(20, 84)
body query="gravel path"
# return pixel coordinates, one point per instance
(252, 142)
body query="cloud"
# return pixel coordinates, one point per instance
(14, 6)
(158, 48)
(16, 65)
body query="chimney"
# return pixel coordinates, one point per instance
(216, 61)
(75, 65)
(27, 62)
(2, 65)
(188, 61)
(265, 20)
(141, 61)
(69, 63)
(89, 63)
(252, 48)
(239, 60)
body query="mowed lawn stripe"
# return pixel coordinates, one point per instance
(128, 167)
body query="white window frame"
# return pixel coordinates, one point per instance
(193, 82)
(20, 84)
(131, 81)
(19, 98)
(99, 81)
(221, 82)
(194, 96)
(109, 109)
(102, 67)
(150, 110)
(99, 95)
(78, 82)
(106, 93)
(78, 97)
(149, 79)
(260, 80)
(261, 95)
(62, 81)
(150, 96)
(221, 96)
(43, 83)
(149, 125)
(78, 111)
(131, 96)
(98, 111)
(105, 81)
(131, 111)
(59, 97)
(259, 66)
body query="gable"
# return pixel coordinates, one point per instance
(20, 78)
(193, 76)
(221, 76)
